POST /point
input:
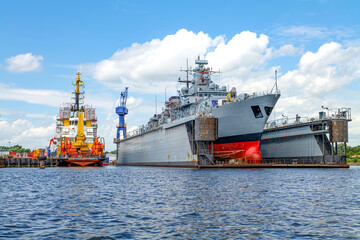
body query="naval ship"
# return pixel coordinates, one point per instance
(179, 135)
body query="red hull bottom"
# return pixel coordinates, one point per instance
(80, 162)
(248, 151)
(83, 163)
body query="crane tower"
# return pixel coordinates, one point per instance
(121, 110)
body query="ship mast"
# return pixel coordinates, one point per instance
(80, 136)
(187, 74)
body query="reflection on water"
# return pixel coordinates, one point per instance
(143, 202)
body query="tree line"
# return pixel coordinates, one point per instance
(16, 148)
(352, 153)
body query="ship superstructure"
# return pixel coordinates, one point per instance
(232, 123)
(76, 131)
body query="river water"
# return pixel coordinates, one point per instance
(159, 203)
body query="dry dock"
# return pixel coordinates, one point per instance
(276, 166)
(245, 165)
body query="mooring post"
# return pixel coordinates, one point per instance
(345, 152)
(42, 162)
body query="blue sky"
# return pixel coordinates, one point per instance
(114, 42)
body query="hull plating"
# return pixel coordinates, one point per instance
(248, 151)
(239, 133)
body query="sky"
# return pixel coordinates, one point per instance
(314, 46)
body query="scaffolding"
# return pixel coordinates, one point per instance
(64, 111)
(90, 113)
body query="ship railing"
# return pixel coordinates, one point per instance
(139, 130)
(340, 113)
(287, 121)
(133, 133)
(244, 96)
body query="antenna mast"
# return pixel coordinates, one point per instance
(156, 104)
(275, 85)
(276, 81)
(187, 74)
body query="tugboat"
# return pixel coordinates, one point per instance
(76, 138)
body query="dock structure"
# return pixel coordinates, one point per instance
(274, 165)
(203, 134)
(306, 141)
(27, 162)
(294, 139)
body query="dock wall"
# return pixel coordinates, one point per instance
(26, 162)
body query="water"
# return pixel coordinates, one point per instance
(154, 203)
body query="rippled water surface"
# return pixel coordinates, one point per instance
(153, 203)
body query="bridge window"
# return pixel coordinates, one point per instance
(257, 112)
(268, 110)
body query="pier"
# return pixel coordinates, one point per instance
(27, 162)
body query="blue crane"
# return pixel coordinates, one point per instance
(121, 110)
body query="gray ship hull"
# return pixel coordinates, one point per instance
(239, 133)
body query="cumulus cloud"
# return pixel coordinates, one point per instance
(142, 66)
(319, 73)
(153, 65)
(24, 63)
(23, 132)
(323, 78)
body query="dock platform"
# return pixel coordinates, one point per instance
(270, 165)
(27, 162)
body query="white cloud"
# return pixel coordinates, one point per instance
(142, 66)
(20, 114)
(309, 32)
(286, 50)
(24, 133)
(36, 96)
(49, 97)
(154, 65)
(322, 79)
(320, 73)
(242, 53)
(24, 63)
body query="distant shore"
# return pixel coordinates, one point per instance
(353, 164)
